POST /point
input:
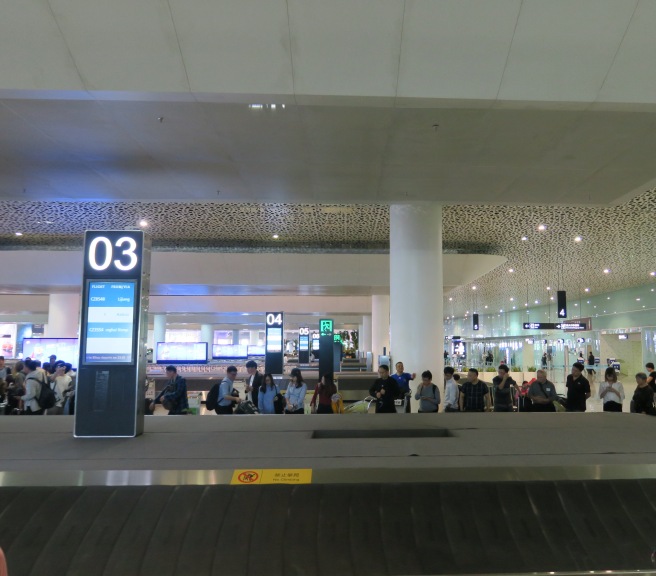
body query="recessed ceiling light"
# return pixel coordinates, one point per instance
(652, 273)
(514, 307)
(651, 290)
(587, 289)
(512, 299)
(501, 311)
(276, 236)
(19, 233)
(473, 287)
(548, 287)
(606, 271)
(542, 227)
(637, 299)
(537, 301)
(577, 238)
(143, 223)
(587, 301)
(607, 297)
(450, 299)
(551, 297)
(511, 270)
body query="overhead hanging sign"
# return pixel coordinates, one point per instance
(572, 326)
(561, 298)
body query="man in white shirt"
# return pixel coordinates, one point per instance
(451, 391)
(254, 382)
(59, 385)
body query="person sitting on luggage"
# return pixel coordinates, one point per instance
(266, 395)
(542, 393)
(295, 395)
(325, 390)
(428, 393)
(385, 390)
(174, 395)
(475, 395)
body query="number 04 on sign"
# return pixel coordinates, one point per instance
(272, 476)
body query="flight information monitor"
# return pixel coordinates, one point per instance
(229, 351)
(110, 322)
(181, 352)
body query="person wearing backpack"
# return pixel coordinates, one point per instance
(428, 393)
(59, 385)
(34, 379)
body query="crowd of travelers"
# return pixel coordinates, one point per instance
(32, 388)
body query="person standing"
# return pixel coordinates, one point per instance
(266, 395)
(59, 385)
(450, 391)
(651, 375)
(403, 381)
(254, 382)
(296, 391)
(384, 389)
(226, 397)
(34, 379)
(578, 389)
(542, 393)
(324, 392)
(4, 369)
(611, 391)
(643, 397)
(504, 387)
(428, 393)
(544, 360)
(475, 395)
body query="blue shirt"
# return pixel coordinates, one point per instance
(265, 400)
(225, 389)
(296, 396)
(403, 380)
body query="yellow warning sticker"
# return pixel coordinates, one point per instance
(272, 476)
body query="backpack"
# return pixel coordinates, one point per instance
(212, 400)
(246, 407)
(279, 402)
(46, 398)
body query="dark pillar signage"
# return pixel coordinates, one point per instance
(561, 297)
(110, 389)
(326, 346)
(303, 345)
(274, 350)
(475, 324)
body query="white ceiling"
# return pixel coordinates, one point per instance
(585, 51)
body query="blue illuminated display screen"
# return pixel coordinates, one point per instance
(110, 322)
(304, 343)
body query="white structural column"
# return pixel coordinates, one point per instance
(207, 335)
(253, 337)
(365, 334)
(416, 289)
(63, 315)
(159, 332)
(380, 325)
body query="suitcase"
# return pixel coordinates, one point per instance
(246, 407)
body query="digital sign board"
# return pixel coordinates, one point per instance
(326, 346)
(181, 352)
(225, 351)
(110, 322)
(303, 344)
(315, 341)
(561, 298)
(273, 360)
(555, 326)
(66, 349)
(113, 327)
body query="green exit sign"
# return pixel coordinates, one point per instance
(326, 327)
(337, 338)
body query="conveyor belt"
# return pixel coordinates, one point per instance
(330, 529)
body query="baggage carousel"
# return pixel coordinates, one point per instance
(361, 495)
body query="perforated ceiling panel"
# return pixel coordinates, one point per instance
(621, 239)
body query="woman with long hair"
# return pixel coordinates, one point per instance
(325, 391)
(267, 394)
(295, 395)
(611, 391)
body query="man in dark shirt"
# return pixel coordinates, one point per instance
(651, 379)
(578, 389)
(174, 395)
(475, 395)
(643, 397)
(385, 390)
(504, 389)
